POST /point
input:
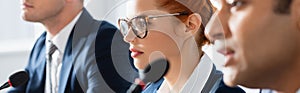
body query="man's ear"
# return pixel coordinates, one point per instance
(74, 0)
(193, 23)
(68, 0)
(295, 10)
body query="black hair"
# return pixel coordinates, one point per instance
(283, 6)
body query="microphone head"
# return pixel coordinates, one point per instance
(155, 71)
(18, 78)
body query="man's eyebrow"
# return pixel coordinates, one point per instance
(216, 3)
(230, 1)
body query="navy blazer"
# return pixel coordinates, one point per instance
(87, 64)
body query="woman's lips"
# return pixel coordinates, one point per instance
(135, 53)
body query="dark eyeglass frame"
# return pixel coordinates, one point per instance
(146, 19)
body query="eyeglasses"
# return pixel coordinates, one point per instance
(139, 24)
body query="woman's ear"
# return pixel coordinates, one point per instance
(193, 23)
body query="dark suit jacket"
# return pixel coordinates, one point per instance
(214, 84)
(87, 63)
(220, 87)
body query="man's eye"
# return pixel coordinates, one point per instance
(237, 3)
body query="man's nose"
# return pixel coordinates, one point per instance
(214, 29)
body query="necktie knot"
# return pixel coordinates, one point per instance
(52, 49)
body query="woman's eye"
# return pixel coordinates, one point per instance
(149, 23)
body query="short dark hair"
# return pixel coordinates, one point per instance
(282, 6)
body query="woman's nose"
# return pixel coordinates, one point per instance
(214, 29)
(130, 37)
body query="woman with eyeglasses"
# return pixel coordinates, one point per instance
(173, 29)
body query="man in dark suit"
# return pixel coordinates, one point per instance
(261, 42)
(76, 53)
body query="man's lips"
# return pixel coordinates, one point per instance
(228, 53)
(135, 52)
(27, 5)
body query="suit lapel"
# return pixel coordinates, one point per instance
(66, 66)
(42, 69)
(75, 43)
(38, 63)
(42, 64)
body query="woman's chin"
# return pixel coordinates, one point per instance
(140, 66)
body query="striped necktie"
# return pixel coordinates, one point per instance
(52, 49)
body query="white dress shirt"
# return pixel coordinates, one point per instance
(273, 91)
(196, 81)
(60, 41)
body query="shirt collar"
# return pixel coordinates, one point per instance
(61, 38)
(197, 80)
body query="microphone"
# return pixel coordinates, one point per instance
(16, 79)
(152, 73)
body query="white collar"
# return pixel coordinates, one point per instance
(196, 81)
(61, 38)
